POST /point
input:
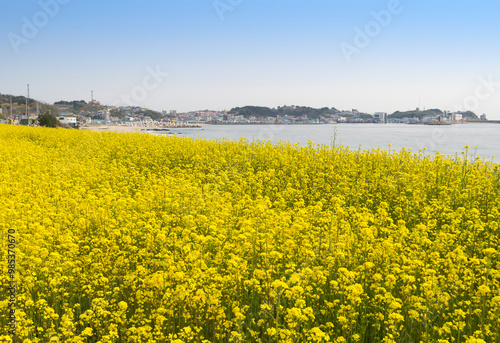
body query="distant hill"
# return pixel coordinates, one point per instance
(310, 112)
(469, 114)
(81, 107)
(16, 100)
(416, 114)
(75, 104)
(433, 112)
(292, 111)
(19, 105)
(77, 107)
(256, 111)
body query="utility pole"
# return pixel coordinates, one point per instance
(11, 108)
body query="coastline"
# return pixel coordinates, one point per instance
(166, 128)
(132, 128)
(112, 128)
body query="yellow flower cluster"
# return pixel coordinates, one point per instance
(140, 238)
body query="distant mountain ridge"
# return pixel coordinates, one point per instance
(292, 111)
(19, 105)
(416, 114)
(428, 113)
(80, 106)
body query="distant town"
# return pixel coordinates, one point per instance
(26, 111)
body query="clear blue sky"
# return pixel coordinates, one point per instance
(255, 52)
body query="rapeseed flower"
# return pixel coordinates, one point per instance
(137, 238)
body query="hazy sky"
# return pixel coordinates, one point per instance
(197, 54)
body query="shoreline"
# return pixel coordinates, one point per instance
(167, 128)
(128, 129)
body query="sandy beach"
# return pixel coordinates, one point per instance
(114, 128)
(143, 126)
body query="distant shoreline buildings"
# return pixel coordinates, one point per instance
(73, 113)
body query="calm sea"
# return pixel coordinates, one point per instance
(447, 140)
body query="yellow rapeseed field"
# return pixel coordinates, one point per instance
(140, 238)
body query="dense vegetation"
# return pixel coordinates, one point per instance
(91, 109)
(416, 114)
(48, 120)
(432, 113)
(292, 111)
(141, 238)
(469, 114)
(77, 105)
(16, 100)
(19, 105)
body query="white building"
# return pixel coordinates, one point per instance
(381, 117)
(67, 120)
